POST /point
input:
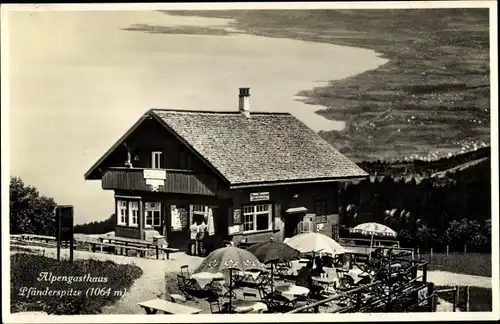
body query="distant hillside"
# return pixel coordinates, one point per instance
(437, 168)
(431, 99)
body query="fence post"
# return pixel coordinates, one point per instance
(432, 250)
(467, 296)
(455, 298)
(424, 273)
(430, 298)
(447, 249)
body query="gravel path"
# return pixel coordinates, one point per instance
(444, 278)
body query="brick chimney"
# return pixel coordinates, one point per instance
(244, 102)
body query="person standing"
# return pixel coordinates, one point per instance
(193, 246)
(201, 235)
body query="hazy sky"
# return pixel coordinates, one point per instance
(78, 82)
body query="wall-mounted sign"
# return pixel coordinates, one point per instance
(258, 196)
(237, 216)
(155, 174)
(155, 178)
(231, 230)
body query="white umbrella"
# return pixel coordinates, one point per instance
(315, 242)
(372, 229)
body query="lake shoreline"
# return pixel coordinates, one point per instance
(419, 67)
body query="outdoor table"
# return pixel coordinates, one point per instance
(243, 306)
(290, 291)
(204, 278)
(153, 306)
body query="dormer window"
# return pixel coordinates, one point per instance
(156, 160)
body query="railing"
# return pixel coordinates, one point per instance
(376, 242)
(176, 181)
(412, 286)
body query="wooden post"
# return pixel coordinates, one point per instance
(455, 298)
(71, 247)
(418, 253)
(447, 249)
(157, 252)
(467, 300)
(424, 271)
(432, 250)
(465, 248)
(431, 299)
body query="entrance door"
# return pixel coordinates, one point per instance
(291, 223)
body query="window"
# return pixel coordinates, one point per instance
(133, 213)
(121, 208)
(320, 207)
(153, 214)
(198, 213)
(304, 226)
(257, 218)
(156, 160)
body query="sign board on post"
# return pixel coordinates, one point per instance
(64, 222)
(258, 196)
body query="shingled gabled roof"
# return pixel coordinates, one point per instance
(265, 148)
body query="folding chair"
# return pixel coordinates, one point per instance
(186, 286)
(185, 271)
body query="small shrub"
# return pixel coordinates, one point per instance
(89, 285)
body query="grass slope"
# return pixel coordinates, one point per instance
(430, 99)
(68, 297)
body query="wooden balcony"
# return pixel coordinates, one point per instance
(175, 181)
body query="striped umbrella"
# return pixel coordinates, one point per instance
(230, 258)
(373, 229)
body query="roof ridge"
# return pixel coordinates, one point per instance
(217, 112)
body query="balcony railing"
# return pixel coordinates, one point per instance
(172, 181)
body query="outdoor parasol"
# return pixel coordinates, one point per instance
(373, 229)
(272, 252)
(230, 258)
(315, 242)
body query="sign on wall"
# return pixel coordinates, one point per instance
(258, 196)
(154, 178)
(237, 216)
(155, 174)
(233, 229)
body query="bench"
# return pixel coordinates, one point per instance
(165, 250)
(93, 246)
(153, 306)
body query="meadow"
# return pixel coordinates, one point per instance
(476, 264)
(430, 100)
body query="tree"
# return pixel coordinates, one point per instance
(465, 231)
(29, 212)
(101, 227)
(426, 237)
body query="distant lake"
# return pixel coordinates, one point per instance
(79, 81)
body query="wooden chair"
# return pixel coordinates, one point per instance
(186, 286)
(185, 271)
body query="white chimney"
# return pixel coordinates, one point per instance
(244, 103)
